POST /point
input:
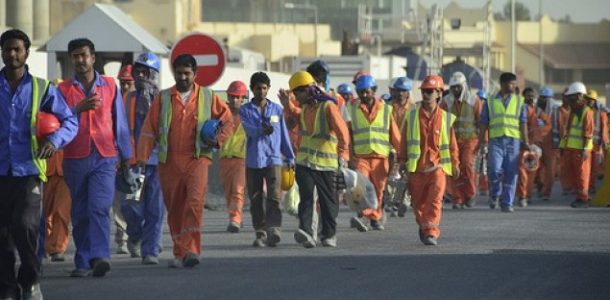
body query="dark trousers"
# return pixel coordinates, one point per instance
(270, 215)
(323, 181)
(20, 207)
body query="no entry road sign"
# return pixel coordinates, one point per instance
(209, 55)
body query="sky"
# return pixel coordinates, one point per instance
(580, 11)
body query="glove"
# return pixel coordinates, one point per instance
(267, 128)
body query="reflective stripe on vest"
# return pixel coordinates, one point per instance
(318, 149)
(414, 141)
(465, 124)
(235, 146)
(41, 164)
(505, 121)
(574, 139)
(204, 99)
(373, 137)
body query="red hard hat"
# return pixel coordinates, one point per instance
(125, 73)
(433, 82)
(46, 125)
(237, 88)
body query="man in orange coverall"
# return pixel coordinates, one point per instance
(429, 148)
(232, 166)
(56, 203)
(538, 125)
(175, 121)
(600, 136)
(550, 143)
(374, 132)
(565, 176)
(577, 143)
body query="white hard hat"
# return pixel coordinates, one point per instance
(457, 78)
(576, 88)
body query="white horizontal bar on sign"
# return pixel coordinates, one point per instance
(206, 60)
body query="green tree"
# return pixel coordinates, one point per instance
(522, 13)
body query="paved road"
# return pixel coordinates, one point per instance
(545, 251)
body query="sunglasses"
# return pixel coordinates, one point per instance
(427, 91)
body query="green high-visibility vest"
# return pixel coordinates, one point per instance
(505, 121)
(414, 141)
(41, 164)
(319, 149)
(465, 125)
(574, 139)
(373, 137)
(204, 101)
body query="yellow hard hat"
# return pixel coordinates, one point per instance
(592, 94)
(300, 78)
(287, 178)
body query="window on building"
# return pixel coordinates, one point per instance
(596, 76)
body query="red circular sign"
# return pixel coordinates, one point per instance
(209, 55)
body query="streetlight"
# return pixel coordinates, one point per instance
(290, 5)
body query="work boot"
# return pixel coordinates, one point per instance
(303, 238)
(508, 209)
(190, 260)
(122, 248)
(402, 210)
(471, 202)
(330, 242)
(376, 225)
(260, 240)
(79, 273)
(150, 260)
(493, 202)
(58, 257)
(429, 241)
(175, 263)
(101, 266)
(579, 204)
(133, 247)
(458, 206)
(358, 223)
(32, 293)
(273, 236)
(523, 202)
(233, 227)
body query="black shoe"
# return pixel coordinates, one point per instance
(273, 236)
(376, 225)
(57, 257)
(190, 260)
(493, 202)
(579, 204)
(33, 293)
(508, 209)
(101, 266)
(430, 241)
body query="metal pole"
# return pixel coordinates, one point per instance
(541, 78)
(315, 33)
(513, 36)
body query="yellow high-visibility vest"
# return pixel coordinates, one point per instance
(505, 121)
(414, 141)
(319, 149)
(574, 139)
(373, 137)
(465, 125)
(39, 89)
(235, 146)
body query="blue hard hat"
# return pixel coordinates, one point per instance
(403, 84)
(209, 130)
(547, 92)
(365, 82)
(345, 88)
(150, 60)
(386, 97)
(482, 94)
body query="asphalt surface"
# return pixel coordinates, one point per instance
(544, 251)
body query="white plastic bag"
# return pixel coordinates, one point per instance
(291, 200)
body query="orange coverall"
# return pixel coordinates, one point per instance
(56, 203)
(579, 169)
(597, 156)
(535, 133)
(184, 178)
(233, 179)
(565, 175)
(548, 161)
(428, 183)
(376, 166)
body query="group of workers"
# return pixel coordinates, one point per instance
(86, 147)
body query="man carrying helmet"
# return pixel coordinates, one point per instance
(374, 133)
(90, 160)
(538, 125)
(601, 140)
(506, 118)
(144, 216)
(430, 151)
(550, 143)
(324, 148)
(178, 122)
(577, 142)
(22, 162)
(232, 167)
(462, 104)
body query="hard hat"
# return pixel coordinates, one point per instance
(592, 94)
(345, 88)
(531, 158)
(46, 124)
(125, 73)
(432, 82)
(402, 83)
(237, 88)
(300, 78)
(546, 92)
(576, 88)
(386, 97)
(364, 82)
(482, 94)
(209, 130)
(318, 67)
(150, 60)
(358, 74)
(457, 78)
(128, 182)
(287, 178)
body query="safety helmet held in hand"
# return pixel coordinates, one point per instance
(299, 79)
(433, 82)
(237, 88)
(128, 183)
(150, 60)
(531, 158)
(287, 178)
(46, 124)
(209, 130)
(364, 82)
